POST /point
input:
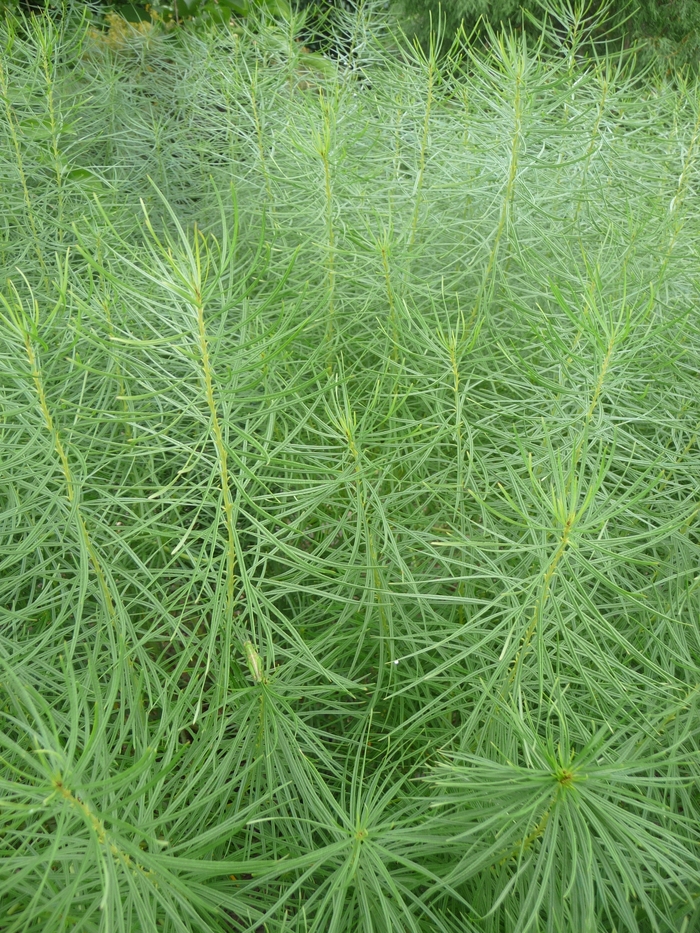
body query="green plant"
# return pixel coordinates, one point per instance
(380, 622)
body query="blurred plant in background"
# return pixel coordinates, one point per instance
(176, 11)
(669, 30)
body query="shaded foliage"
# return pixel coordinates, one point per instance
(670, 29)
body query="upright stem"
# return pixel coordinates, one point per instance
(506, 208)
(423, 151)
(219, 444)
(13, 127)
(71, 484)
(55, 139)
(261, 147)
(222, 459)
(324, 145)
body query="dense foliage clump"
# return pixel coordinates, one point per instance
(349, 491)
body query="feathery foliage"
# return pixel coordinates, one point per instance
(349, 491)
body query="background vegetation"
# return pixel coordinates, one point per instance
(349, 489)
(668, 30)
